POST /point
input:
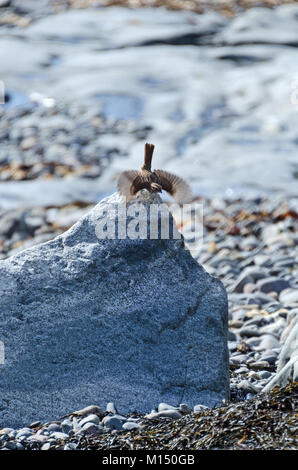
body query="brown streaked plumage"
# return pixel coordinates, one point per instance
(132, 181)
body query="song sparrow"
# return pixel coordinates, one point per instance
(132, 181)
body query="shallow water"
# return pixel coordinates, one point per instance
(223, 115)
(120, 106)
(15, 98)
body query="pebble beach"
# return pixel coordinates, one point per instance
(59, 156)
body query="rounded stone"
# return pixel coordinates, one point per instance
(130, 426)
(59, 435)
(111, 408)
(184, 409)
(90, 429)
(23, 433)
(267, 342)
(46, 446)
(170, 413)
(66, 426)
(89, 419)
(113, 422)
(259, 365)
(165, 406)
(199, 409)
(53, 427)
(272, 284)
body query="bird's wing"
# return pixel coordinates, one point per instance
(175, 186)
(125, 181)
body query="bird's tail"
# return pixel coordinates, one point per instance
(149, 149)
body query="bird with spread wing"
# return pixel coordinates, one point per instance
(132, 181)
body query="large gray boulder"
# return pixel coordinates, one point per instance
(87, 321)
